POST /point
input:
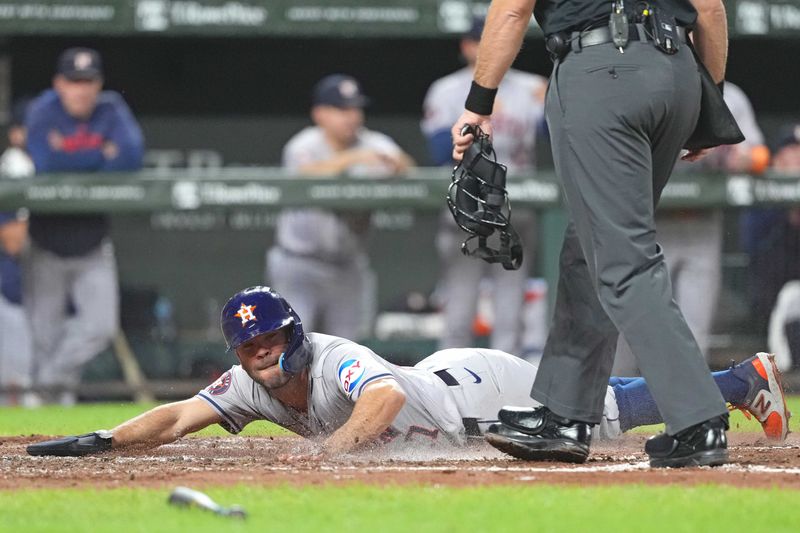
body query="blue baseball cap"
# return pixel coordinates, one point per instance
(80, 64)
(475, 30)
(339, 90)
(788, 136)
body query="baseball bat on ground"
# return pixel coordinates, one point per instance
(186, 497)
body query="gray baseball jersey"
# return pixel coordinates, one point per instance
(742, 110)
(320, 233)
(444, 392)
(517, 112)
(338, 374)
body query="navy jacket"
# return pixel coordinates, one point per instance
(58, 142)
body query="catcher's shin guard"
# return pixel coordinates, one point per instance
(478, 200)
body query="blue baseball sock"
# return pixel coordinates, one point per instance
(636, 404)
(733, 388)
(613, 381)
(637, 407)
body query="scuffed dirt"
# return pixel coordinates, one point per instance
(755, 462)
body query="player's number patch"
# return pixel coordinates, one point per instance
(351, 372)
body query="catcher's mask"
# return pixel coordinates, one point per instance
(478, 200)
(258, 310)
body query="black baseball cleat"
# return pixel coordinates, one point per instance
(704, 444)
(538, 434)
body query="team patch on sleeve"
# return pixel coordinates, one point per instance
(350, 373)
(220, 386)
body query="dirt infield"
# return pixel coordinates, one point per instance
(755, 462)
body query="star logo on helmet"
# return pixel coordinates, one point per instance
(245, 312)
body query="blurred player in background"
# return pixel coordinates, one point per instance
(518, 113)
(771, 237)
(320, 260)
(74, 127)
(16, 358)
(692, 238)
(323, 386)
(15, 161)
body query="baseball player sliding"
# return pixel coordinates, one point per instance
(322, 386)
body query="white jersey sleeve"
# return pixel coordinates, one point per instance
(444, 102)
(742, 110)
(518, 109)
(304, 148)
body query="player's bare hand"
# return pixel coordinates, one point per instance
(110, 150)
(462, 142)
(55, 140)
(13, 237)
(696, 155)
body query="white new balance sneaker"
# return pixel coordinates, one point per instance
(765, 399)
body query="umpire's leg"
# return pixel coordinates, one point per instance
(580, 344)
(605, 115)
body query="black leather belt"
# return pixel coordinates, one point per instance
(447, 377)
(602, 35)
(471, 428)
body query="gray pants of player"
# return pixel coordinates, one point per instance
(693, 251)
(618, 123)
(16, 359)
(331, 298)
(487, 380)
(63, 344)
(461, 276)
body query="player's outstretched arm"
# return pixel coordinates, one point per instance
(164, 424)
(160, 425)
(374, 411)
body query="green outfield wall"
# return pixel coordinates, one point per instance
(327, 18)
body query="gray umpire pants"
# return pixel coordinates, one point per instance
(63, 344)
(617, 123)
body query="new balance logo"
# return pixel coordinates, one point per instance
(762, 404)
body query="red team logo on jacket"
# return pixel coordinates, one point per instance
(82, 139)
(245, 312)
(221, 385)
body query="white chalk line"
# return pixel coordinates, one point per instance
(400, 468)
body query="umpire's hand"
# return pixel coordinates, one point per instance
(462, 142)
(695, 155)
